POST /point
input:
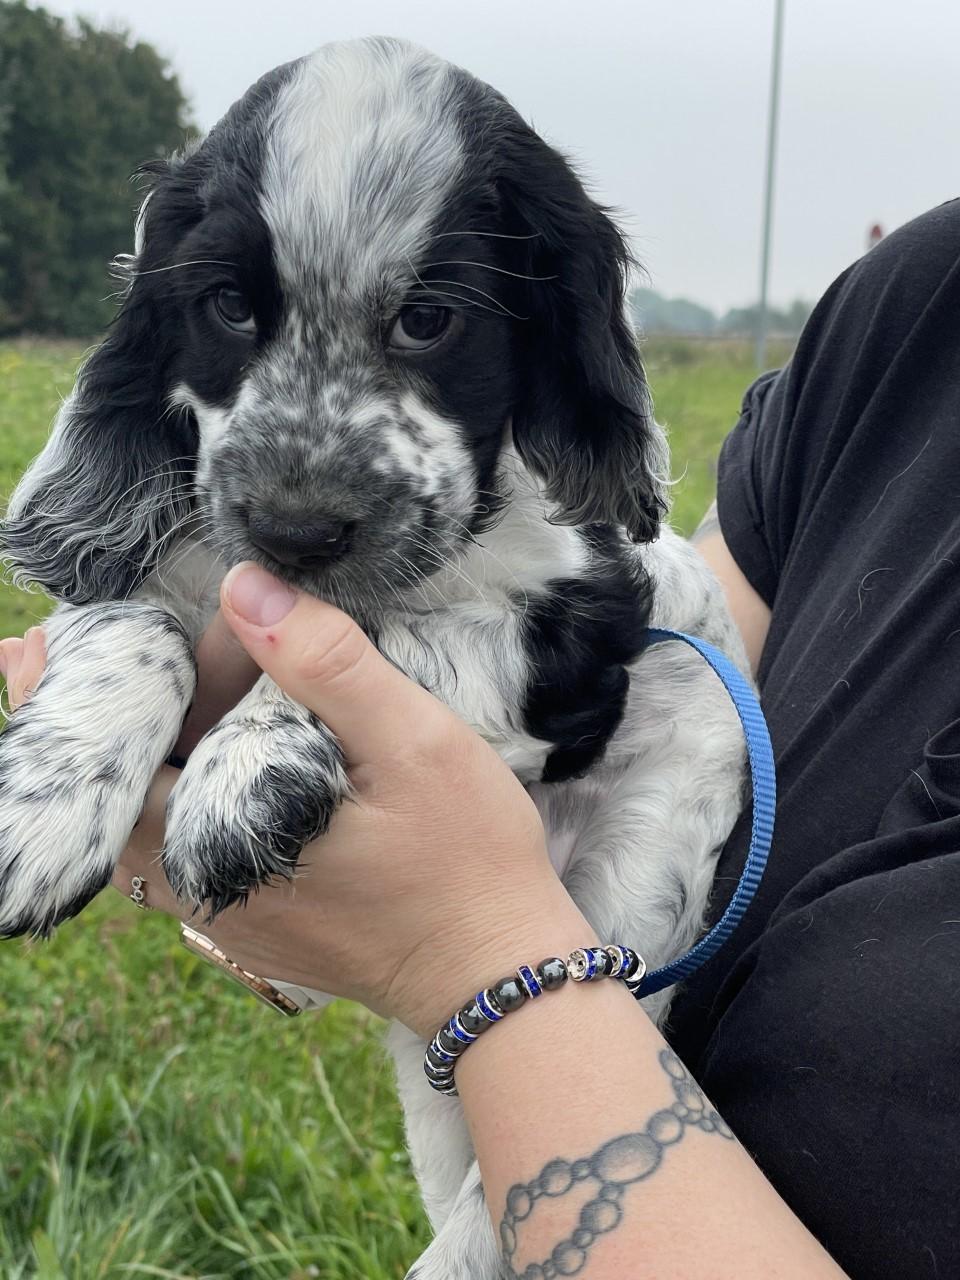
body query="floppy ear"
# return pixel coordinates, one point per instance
(87, 520)
(584, 419)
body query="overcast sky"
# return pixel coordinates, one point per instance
(663, 104)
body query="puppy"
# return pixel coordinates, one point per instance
(372, 337)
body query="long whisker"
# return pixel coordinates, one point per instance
(485, 266)
(467, 302)
(473, 289)
(492, 235)
(152, 554)
(446, 559)
(194, 262)
(403, 605)
(389, 586)
(415, 577)
(486, 551)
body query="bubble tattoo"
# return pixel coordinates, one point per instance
(614, 1168)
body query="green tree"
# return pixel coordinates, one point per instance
(80, 109)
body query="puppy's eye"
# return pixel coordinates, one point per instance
(234, 310)
(418, 327)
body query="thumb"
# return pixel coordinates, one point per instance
(320, 657)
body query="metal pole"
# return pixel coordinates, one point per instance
(762, 319)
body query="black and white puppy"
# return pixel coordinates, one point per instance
(373, 337)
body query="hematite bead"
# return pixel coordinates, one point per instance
(448, 1041)
(471, 1019)
(464, 1036)
(552, 973)
(604, 963)
(632, 964)
(508, 994)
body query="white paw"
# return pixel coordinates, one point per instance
(77, 759)
(259, 786)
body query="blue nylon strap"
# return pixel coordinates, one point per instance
(763, 778)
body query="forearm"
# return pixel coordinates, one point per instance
(748, 610)
(584, 1121)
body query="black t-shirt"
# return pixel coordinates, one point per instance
(827, 1030)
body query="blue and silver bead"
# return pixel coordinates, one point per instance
(529, 981)
(457, 1029)
(485, 1003)
(582, 964)
(635, 978)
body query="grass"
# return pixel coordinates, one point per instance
(158, 1123)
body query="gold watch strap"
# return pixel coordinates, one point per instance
(260, 987)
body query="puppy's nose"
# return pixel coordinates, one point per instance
(302, 541)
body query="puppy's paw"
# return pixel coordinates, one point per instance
(77, 759)
(260, 785)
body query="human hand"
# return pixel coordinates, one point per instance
(21, 664)
(225, 673)
(431, 881)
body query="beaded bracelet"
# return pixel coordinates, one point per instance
(585, 964)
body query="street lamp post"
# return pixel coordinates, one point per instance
(762, 318)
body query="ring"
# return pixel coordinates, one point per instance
(138, 893)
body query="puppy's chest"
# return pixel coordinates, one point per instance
(561, 843)
(187, 581)
(569, 812)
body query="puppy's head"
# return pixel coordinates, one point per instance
(341, 303)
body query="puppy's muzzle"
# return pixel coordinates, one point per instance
(300, 540)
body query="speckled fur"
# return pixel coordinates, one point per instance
(508, 509)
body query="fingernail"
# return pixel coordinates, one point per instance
(257, 596)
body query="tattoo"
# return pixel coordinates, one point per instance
(630, 1158)
(709, 524)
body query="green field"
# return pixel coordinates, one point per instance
(158, 1123)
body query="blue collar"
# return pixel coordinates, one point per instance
(763, 778)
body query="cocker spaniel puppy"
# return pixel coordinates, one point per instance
(372, 337)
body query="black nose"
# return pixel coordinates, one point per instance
(300, 541)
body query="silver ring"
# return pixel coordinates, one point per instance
(138, 893)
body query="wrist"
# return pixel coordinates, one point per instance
(489, 941)
(580, 1017)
